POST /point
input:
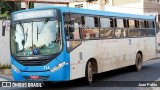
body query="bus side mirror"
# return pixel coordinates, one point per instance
(3, 30)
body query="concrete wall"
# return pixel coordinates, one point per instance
(132, 8)
(125, 6)
(5, 45)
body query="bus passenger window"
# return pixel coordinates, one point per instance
(146, 24)
(109, 33)
(125, 22)
(118, 33)
(151, 24)
(106, 30)
(131, 24)
(120, 23)
(141, 24)
(91, 29)
(133, 32)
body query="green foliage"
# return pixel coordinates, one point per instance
(5, 15)
(9, 6)
(31, 5)
(5, 66)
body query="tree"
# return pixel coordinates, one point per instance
(5, 15)
(7, 7)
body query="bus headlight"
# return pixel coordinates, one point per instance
(15, 69)
(57, 67)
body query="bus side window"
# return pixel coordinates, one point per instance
(72, 29)
(151, 30)
(120, 29)
(91, 29)
(106, 30)
(133, 32)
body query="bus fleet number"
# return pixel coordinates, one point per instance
(46, 67)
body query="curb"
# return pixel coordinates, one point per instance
(6, 78)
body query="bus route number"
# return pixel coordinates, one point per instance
(46, 67)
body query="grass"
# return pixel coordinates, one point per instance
(5, 66)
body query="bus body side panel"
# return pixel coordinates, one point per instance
(150, 51)
(110, 54)
(80, 56)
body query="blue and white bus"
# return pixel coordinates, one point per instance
(63, 43)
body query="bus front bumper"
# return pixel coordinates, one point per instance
(58, 75)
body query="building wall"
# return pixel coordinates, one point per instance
(143, 7)
(95, 5)
(122, 2)
(5, 44)
(123, 6)
(126, 6)
(152, 6)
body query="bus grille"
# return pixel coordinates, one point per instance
(34, 62)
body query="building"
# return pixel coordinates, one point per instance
(143, 7)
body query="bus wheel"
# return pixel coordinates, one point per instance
(138, 62)
(89, 73)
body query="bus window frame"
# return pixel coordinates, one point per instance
(114, 28)
(69, 14)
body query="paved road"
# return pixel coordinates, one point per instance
(1, 79)
(149, 72)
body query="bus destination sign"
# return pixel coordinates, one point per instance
(34, 14)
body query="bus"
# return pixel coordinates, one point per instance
(64, 43)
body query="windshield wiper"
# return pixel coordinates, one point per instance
(23, 41)
(45, 22)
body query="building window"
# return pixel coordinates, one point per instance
(79, 6)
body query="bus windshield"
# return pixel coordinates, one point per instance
(39, 37)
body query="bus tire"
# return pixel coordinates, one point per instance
(138, 62)
(89, 73)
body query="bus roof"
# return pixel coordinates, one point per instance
(92, 12)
